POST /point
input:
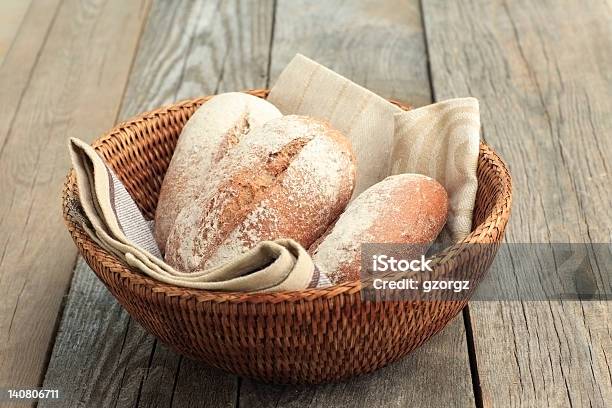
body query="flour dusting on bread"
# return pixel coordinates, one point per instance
(290, 178)
(406, 208)
(209, 135)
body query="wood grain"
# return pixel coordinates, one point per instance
(19, 61)
(203, 51)
(208, 47)
(12, 13)
(541, 72)
(74, 89)
(380, 46)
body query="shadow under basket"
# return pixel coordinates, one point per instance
(307, 336)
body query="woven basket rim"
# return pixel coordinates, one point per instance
(481, 234)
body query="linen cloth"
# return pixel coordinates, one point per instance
(308, 88)
(439, 140)
(109, 215)
(442, 141)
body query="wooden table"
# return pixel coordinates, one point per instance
(541, 70)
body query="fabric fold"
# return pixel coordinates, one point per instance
(439, 140)
(308, 88)
(109, 215)
(442, 141)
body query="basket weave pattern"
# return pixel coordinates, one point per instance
(308, 336)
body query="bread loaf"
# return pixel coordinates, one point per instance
(406, 208)
(290, 178)
(214, 129)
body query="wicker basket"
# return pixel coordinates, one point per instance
(307, 336)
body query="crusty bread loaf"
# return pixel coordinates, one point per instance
(406, 208)
(290, 178)
(215, 128)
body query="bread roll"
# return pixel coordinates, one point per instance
(215, 128)
(290, 178)
(406, 208)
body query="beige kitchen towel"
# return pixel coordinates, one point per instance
(111, 217)
(439, 140)
(442, 141)
(308, 88)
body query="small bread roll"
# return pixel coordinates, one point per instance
(406, 208)
(290, 178)
(215, 128)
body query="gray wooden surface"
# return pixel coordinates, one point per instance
(540, 70)
(541, 73)
(63, 76)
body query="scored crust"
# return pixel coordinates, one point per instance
(290, 178)
(209, 135)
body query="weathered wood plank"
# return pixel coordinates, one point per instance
(434, 376)
(541, 72)
(12, 12)
(379, 45)
(16, 69)
(98, 324)
(187, 49)
(74, 89)
(208, 47)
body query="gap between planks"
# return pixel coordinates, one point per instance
(539, 70)
(44, 99)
